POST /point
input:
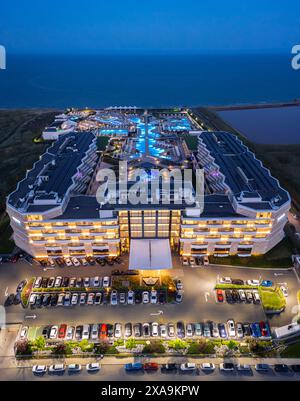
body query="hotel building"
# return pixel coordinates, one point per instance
(54, 210)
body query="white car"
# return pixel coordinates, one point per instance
(96, 281)
(231, 328)
(32, 299)
(188, 367)
(171, 330)
(153, 297)
(58, 281)
(91, 298)
(70, 332)
(74, 299)
(253, 283)
(82, 299)
(84, 262)
(208, 367)
(74, 368)
(39, 369)
(243, 368)
(225, 280)
(52, 263)
(106, 282)
(145, 297)
(239, 330)
(23, 333)
(86, 282)
(154, 329)
(284, 291)
(75, 262)
(130, 298)
(122, 298)
(60, 300)
(189, 330)
(93, 367)
(215, 330)
(53, 332)
(185, 261)
(59, 368)
(179, 285)
(38, 282)
(118, 330)
(86, 332)
(256, 297)
(68, 262)
(95, 332)
(192, 261)
(242, 295)
(163, 331)
(114, 297)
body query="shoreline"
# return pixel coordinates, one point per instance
(255, 106)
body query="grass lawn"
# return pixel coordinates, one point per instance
(272, 299)
(292, 351)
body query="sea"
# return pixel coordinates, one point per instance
(39, 81)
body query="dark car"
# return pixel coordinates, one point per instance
(46, 332)
(228, 295)
(138, 296)
(39, 300)
(180, 330)
(60, 262)
(162, 297)
(281, 368)
(46, 299)
(110, 330)
(78, 332)
(106, 297)
(44, 282)
(109, 261)
(247, 330)
(17, 299)
(296, 368)
(91, 260)
(237, 282)
(54, 299)
(21, 285)
(169, 367)
(65, 282)
(98, 298)
(235, 296)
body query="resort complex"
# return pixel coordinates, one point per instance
(55, 210)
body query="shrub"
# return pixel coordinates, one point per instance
(23, 347)
(178, 344)
(155, 347)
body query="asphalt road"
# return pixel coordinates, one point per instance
(117, 373)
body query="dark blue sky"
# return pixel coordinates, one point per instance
(99, 26)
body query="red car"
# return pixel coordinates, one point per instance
(150, 367)
(103, 332)
(62, 331)
(220, 296)
(263, 329)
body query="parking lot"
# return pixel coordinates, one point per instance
(199, 299)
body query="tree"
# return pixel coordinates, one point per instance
(155, 347)
(130, 344)
(178, 344)
(40, 343)
(23, 347)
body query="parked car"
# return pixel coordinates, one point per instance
(118, 330)
(185, 261)
(189, 330)
(57, 369)
(74, 368)
(114, 297)
(225, 280)
(23, 333)
(110, 330)
(122, 298)
(70, 333)
(188, 367)
(39, 370)
(93, 367)
(133, 367)
(145, 297)
(62, 331)
(128, 330)
(192, 261)
(207, 367)
(37, 282)
(72, 282)
(60, 300)
(237, 282)
(86, 282)
(262, 367)
(91, 297)
(247, 330)
(104, 331)
(284, 291)
(242, 296)
(153, 297)
(130, 298)
(58, 282)
(151, 367)
(96, 281)
(239, 330)
(163, 330)
(51, 282)
(243, 367)
(98, 298)
(79, 282)
(75, 262)
(179, 297)
(206, 330)
(256, 297)
(67, 299)
(179, 285)
(53, 332)
(68, 262)
(281, 368)
(32, 299)
(180, 330)
(267, 283)
(249, 297)
(171, 330)
(222, 330)
(82, 299)
(94, 332)
(169, 367)
(86, 332)
(106, 282)
(220, 296)
(253, 283)
(154, 329)
(65, 282)
(227, 367)
(231, 328)
(54, 300)
(137, 330)
(74, 299)
(228, 295)
(84, 262)
(255, 330)
(78, 332)
(146, 330)
(21, 286)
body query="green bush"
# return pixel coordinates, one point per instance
(178, 344)
(272, 299)
(155, 347)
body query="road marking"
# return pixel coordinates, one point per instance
(160, 312)
(6, 292)
(206, 295)
(48, 268)
(31, 317)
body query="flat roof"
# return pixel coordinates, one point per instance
(150, 254)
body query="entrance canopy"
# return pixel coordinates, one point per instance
(150, 254)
